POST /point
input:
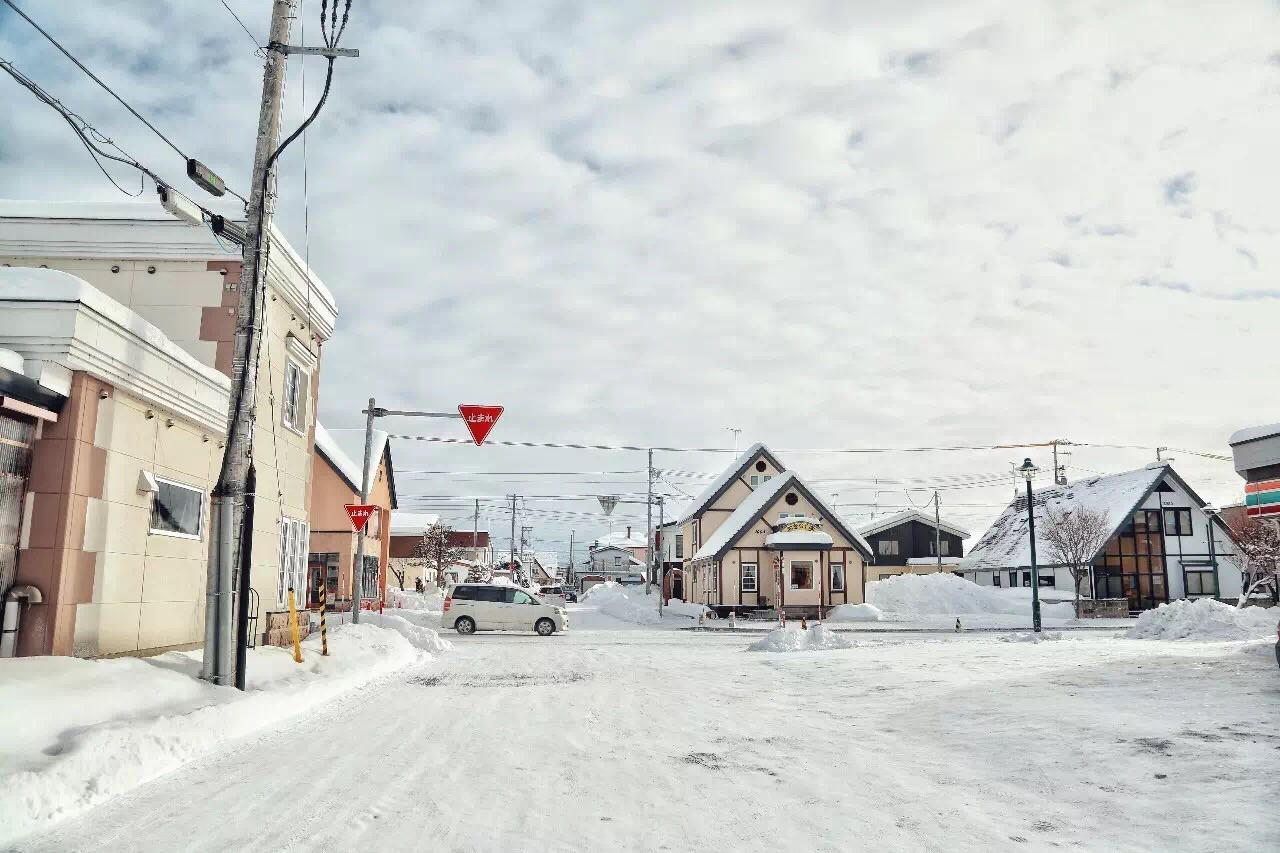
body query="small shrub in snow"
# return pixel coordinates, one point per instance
(1204, 619)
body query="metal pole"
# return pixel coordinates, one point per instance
(937, 528)
(475, 532)
(662, 581)
(246, 563)
(1213, 558)
(357, 569)
(648, 527)
(1035, 571)
(226, 499)
(568, 573)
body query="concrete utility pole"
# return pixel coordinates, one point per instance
(227, 500)
(648, 526)
(937, 527)
(475, 531)
(662, 581)
(569, 571)
(512, 564)
(357, 569)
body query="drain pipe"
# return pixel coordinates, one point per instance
(13, 602)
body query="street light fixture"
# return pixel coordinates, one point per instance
(1029, 470)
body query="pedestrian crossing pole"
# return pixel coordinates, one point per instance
(293, 628)
(324, 628)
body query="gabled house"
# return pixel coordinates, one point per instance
(119, 322)
(633, 543)
(1163, 545)
(333, 541)
(474, 549)
(908, 542)
(754, 467)
(783, 546)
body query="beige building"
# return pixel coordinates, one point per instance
(124, 344)
(760, 537)
(337, 482)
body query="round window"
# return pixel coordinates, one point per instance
(760, 466)
(792, 500)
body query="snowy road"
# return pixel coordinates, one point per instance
(653, 740)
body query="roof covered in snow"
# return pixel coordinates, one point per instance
(727, 476)
(621, 539)
(1116, 496)
(877, 526)
(755, 506)
(799, 537)
(341, 451)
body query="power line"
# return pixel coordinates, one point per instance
(109, 90)
(243, 27)
(638, 449)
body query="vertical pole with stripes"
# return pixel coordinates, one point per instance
(324, 629)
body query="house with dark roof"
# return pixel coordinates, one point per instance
(909, 542)
(781, 547)
(1163, 545)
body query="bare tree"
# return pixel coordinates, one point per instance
(1074, 537)
(436, 551)
(398, 571)
(1257, 553)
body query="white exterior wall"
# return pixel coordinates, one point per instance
(1195, 546)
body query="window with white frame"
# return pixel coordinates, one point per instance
(837, 577)
(617, 560)
(293, 409)
(755, 480)
(748, 577)
(679, 546)
(177, 509)
(292, 571)
(888, 547)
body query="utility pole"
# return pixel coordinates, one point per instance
(569, 571)
(937, 527)
(512, 564)
(648, 526)
(357, 568)
(475, 531)
(662, 581)
(227, 500)
(735, 432)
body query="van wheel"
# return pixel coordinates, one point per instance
(465, 625)
(545, 627)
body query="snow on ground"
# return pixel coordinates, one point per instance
(650, 740)
(817, 638)
(855, 613)
(74, 732)
(1204, 619)
(945, 594)
(1032, 637)
(413, 600)
(619, 606)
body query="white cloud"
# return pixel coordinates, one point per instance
(829, 224)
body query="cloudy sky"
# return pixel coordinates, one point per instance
(847, 224)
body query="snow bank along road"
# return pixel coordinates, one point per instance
(651, 740)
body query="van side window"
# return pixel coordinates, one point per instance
(464, 593)
(489, 593)
(522, 598)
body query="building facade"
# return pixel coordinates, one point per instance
(126, 316)
(908, 542)
(1162, 546)
(333, 541)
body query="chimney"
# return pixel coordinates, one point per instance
(628, 531)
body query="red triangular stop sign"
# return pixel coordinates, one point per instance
(479, 420)
(360, 514)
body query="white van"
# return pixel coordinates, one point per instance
(553, 595)
(472, 607)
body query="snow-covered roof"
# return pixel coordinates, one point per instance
(349, 444)
(1006, 544)
(1241, 436)
(410, 523)
(933, 561)
(620, 539)
(798, 537)
(758, 502)
(873, 527)
(727, 476)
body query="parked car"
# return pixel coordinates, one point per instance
(472, 607)
(554, 595)
(571, 596)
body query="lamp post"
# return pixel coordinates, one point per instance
(1028, 470)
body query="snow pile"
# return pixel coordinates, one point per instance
(1204, 619)
(675, 607)
(75, 732)
(855, 613)
(612, 599)
(407, 600)
(818, 638)
(946, 594)
(418, 635)
(1031, 637)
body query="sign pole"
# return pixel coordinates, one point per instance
(357, 568)
(648, 526)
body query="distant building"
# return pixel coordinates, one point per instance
(475, 549)
(1160, 547)
(1256, 453)
(907, 542)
